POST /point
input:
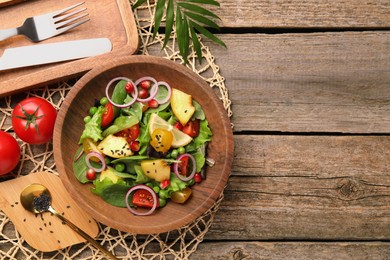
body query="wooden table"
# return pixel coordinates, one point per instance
(310, 88)
(309, 83)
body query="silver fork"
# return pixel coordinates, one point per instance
(41, 27)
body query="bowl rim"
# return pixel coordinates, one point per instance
(211, 199)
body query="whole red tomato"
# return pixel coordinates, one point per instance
(9, 153)
(33, 120)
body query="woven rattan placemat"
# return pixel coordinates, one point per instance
(176, 244)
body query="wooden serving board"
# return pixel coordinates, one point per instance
(111, 19)
(10, 2)
(45, 231)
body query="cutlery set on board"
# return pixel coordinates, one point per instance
(43, 41)
(42, 27)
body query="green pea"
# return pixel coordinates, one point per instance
(103, 101)
(163, 202)
(149, 184)
(181, 150)
(87, 119)
(156, 189)
(120, 167)
(174, 153)
(92, 110)
(107, 159)
(163, 194)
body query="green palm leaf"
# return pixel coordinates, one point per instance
(158, 16)
(197, 9)
(190, 19)
(182, 34)
(208, 34)
(207, 2)
(195, 41)
(204, 20)
(170, 17)
(137, 4)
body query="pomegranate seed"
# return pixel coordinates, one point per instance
(129, 87)
(197, 177)
(145, 84)
(143, 93)
(153, 103)
(91, 174)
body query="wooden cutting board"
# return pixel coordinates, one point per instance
(111, 19)
(45, 231)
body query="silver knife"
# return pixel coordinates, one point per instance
(53, 52)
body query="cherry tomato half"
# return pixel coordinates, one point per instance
(131, 134)
(108, 115)
(33, 120)
(135, 146)
(143, 198)
(183, 166)
(192, 128)
(9, 153)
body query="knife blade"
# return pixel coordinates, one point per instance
(53, 52)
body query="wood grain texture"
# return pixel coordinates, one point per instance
(306, 188)
(304, 14)
(108, 19)
(289, 250)
(10, 2)
(320, 82)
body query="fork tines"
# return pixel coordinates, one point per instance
(65, 20)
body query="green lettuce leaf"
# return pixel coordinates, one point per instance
(112, 193)
(80, 166)
(92, 129)
(120, 123)
(199, 113)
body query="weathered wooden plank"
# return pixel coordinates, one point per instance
(283, 187)
(304, 14)
(320, 82)
(291, 250)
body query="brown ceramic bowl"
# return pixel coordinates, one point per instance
(69, 127)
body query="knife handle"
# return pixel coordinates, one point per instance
(6, 33)
(10, 2)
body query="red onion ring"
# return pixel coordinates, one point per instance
(101, 159)
(176, 167)
(153, 90)
(134, 94)
(141, 187)
(79, 155)
(153, 80)
(166, 99)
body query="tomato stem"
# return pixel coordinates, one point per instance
(30, 118)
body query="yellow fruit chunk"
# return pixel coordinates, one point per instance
(156, 169)
(161, 140)
(107, 173)
(181, 196)
(115, 146)
(182, 107)
(179, 138)
(90, 146)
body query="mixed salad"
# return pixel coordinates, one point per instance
(143, 144)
